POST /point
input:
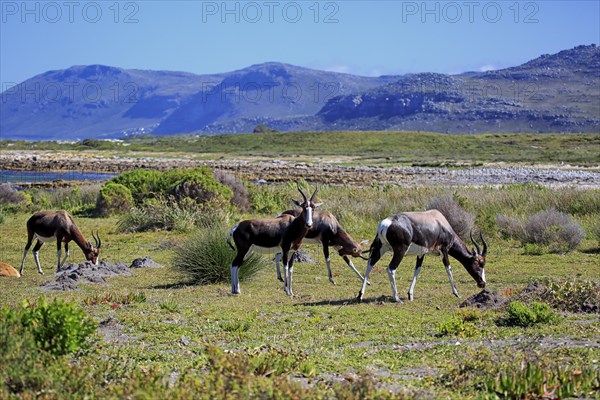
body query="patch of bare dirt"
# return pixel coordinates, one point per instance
(72, 275)
(485, 300)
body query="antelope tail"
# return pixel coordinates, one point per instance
(229, 237)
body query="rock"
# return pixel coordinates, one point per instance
(8, 270)
(145, 262)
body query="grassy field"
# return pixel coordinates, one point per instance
(420, 148)
(187, 341)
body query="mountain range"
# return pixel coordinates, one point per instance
(551, 93)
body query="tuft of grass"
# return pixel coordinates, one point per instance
(205, 258)
(171, 305)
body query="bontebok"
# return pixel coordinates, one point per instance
(283, 233)
(49, 226)
(420, 233)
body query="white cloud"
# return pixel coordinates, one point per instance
(487, 67)
(344, 69)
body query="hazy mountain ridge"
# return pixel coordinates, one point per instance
(552, 93)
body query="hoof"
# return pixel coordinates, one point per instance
(332, 282)
(359, 298)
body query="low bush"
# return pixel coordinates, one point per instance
(58, 327)
(165, 213)
(460, 220)
(114, 198)
(9, 195)
(573, 296)
(554, 230)
(519, 314)
(196, 183)
(205, 258)
(241, 197)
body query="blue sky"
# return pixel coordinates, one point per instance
(360, 37)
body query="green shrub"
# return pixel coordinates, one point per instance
(142, 183)
(519, 314)
(205, 258)
(58, 327)
(270, 200)
(114, 198)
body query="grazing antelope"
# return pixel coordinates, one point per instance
(284, 233)
(47, 226)
(420, 233)
(327, 231)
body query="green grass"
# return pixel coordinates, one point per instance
(419, 148)
(204, 340)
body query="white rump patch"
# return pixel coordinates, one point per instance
(382, 233)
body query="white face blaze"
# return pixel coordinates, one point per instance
(483, 275)
(309, 218)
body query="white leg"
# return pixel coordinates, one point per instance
(288, 271)
(364, 284)
(392, 276)
(37, 262)
(235, 282)
(412, 284)
(67, 254)
(277, 263)
(449, 272)
(328, 263)
(23, 261)
(351, 265)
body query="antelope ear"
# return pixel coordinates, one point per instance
(474, 251)
(296, 202)
(89, 244)
(366, 241)
(317, 205)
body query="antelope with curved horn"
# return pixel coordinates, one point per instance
(327, 231)
(420, 233)
(48, 226)
(283, 233)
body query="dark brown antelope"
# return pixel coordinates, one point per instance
(420, 233)
(327, 231)
(283, 233)
(49, 226)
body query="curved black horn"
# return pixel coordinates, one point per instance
(301, 192)
(315, 192)
(97, 238)
(485, 245)
(475, 243)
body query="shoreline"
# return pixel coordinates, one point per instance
(277, 170)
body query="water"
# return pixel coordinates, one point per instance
(44, 176)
